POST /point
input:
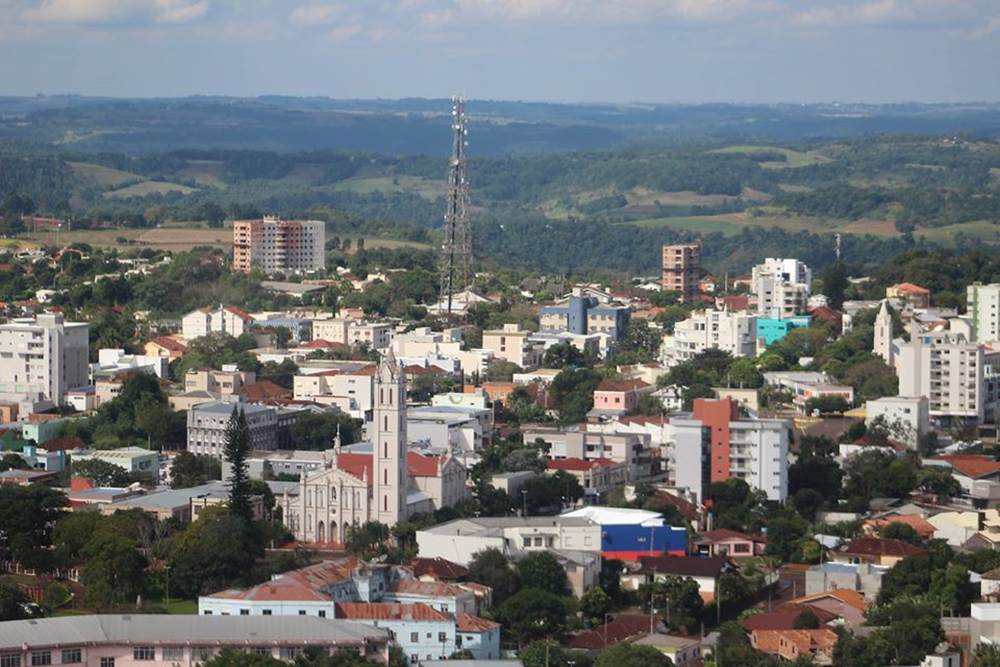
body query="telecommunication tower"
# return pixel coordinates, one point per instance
(456, 251)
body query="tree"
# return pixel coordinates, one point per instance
(806, 620)
(784, 533)
(632, 655)
(316, 431)
(189, 470)
(938, 480)
(490, 567)
(640, 344)
(562, 355)
(367, 540)
(572, 391)
(27, 516)
(102, 473)
(835, 284)
(898, 530)
(541, 570)
(743, 372)
(236, 450)
(986, 655)
(676, 599)
(733, 648)
(532, 614)
(828, 404)
(595, 603)
(114, 571)
(501, 370)
(212, 553)
(13, 603)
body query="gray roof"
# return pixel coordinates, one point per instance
(174, 498)
(185, 629)
(472, 663)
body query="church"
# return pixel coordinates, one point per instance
(386, 485)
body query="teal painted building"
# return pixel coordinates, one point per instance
(774, 329)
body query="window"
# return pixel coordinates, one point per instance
(143, 653)
(200, 653)
(266, 612)
(173, 653)
(322, 613)
(71, 656)
(302, 612)
(442, 637)
(41, 658)
(260, 650)
(107, 662)
(208, 612)
(244, 612)
(414, 637)
(10, 660)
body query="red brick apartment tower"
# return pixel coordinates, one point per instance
(682, 270)
(716, 415)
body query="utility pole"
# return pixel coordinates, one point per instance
(456, 250)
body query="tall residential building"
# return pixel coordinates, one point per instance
(273, 245)
(906, 417)
(961, 380)
(733, 332)
(883, 334)
(682, 270)
(983, 303)
(781, 286)
(42, 358)
(511, 344)
(714, 443)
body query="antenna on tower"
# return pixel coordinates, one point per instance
(838, 246)
(456, 251)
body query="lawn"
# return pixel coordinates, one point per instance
(982, 230)
(106, 177)
(793, 158)
(704, 224)
(148, 188)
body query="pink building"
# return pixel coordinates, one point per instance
(155, 640)
(729, 544)
(621, 396)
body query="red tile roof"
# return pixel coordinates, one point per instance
(428, 589)
(263, 391)
(240, 313)
(388, 612)
(878, 546)
(422, 465)
(621, 385)
(170, 344)
(439, 568)
(299, 585)
(65, 443)
(321, 344)
(470, 623)
(784, 618)
(850, 598)
(360, 465)
(971, 465)
(722, 534)
(578, 464)
(910, 288)
(622, 628)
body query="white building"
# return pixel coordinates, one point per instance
(374, 335)
(224, 319)
(961, 380)
(983, 308)
(129, 459)
(906, 417)
(42, 358)
(111, 360)
(781, 287)
(350, 387)
(883, 341)
(733, 332)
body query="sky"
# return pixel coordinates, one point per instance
(686, 51)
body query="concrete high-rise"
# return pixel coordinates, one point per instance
(983, 303)
(273, 245)
(42, 358)
(682, 270)
(781, 286)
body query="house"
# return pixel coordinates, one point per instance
(169, 347)
(864, 578)
(728, 544)
(816, 645)
(977, 474)
(597, 477)
(620, 628)
(876, 550)
(619, 397)
(924, 528)
(164, 640)
(683, 651)
(914, 295)
(422, 632)
(436, 569)
(704, 570)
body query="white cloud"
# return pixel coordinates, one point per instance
(308, 15)
(115, 11)
(342, 33)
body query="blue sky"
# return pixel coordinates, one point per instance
(555, 50)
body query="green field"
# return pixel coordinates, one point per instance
(693, 223)
(106, 177)
(427, 189)
(148, 188)
(210, 173)
(793, 158)
(982, 230)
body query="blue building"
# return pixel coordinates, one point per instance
(586, 315)
(774, 329)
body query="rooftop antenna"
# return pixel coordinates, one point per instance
(456, 251)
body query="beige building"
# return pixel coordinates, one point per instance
(375, 335)
(272, 245)
(511, 344)
(350, 388)
(682, 270)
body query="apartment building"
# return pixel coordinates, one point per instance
(224, 319)
(733, 332)
(781, 287)
(350, 387)
(906, 417)
(206, 427)
(585, 314)
(983, 308)
(597, 477)
(714, 443)
(42, 358)
(273, 245)
(374, 335)
(682, 270)
(635, 450)
(960, 379)
(511, 344)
